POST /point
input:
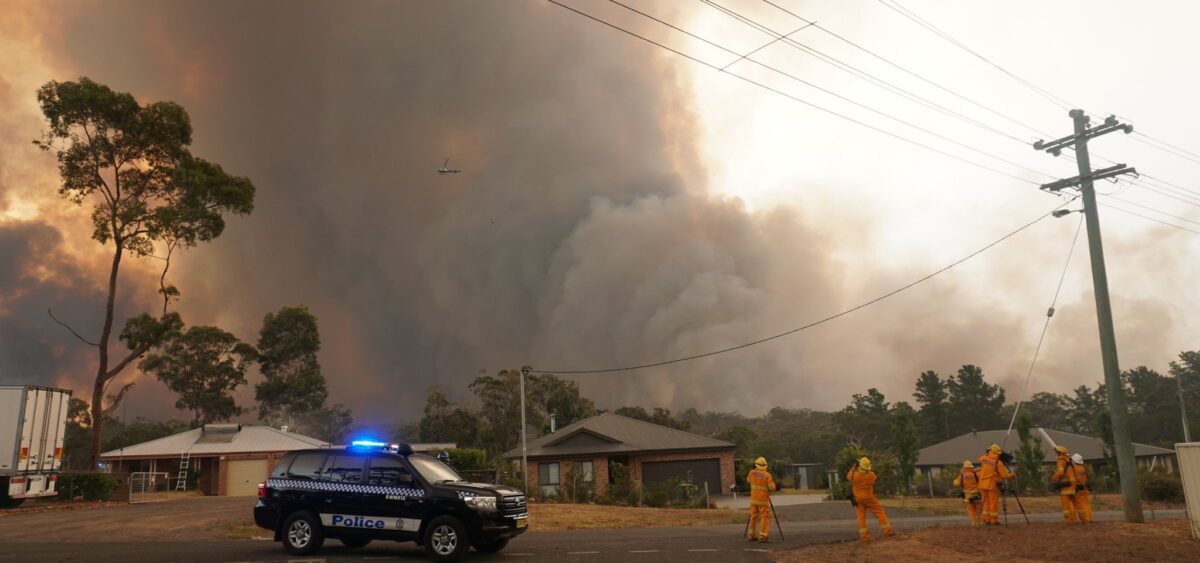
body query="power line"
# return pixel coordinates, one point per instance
(895, 6)
(1045, 326)
(811, 85)
(1160, 181)
(1148, 208)
(1156, 190)
(1170, 151)
(857, 72)
(910, 72)
(1162, 142)
(818, 322)
(1135, 214)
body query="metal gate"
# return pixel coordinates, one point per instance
(148, 486)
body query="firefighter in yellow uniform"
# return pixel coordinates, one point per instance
(1083, 502)
(862, 485)
(991, 471)
(761, 486)
(968, 479)
(1064, 481)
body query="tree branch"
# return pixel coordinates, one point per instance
(133, 355)
(68, 327)
(162, 279)
(115, 400)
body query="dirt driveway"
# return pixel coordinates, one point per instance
(189, 518)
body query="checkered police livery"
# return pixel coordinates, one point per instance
(344, 487)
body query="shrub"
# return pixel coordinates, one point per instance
(1161, 487)
(621, 488)
(90, 486)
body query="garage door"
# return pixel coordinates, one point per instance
(243, 476)
(701, 469)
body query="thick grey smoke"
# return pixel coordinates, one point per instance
(580, 234)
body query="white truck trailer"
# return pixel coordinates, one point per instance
(33, 423)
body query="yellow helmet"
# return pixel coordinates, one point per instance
(968, 465)
(1061, 449)
(994, 448)
(760, 462)
(864, 463)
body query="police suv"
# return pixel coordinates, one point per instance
(371, 490)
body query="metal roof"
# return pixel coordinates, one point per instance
(970, 446)
(610, 433)
(218, 439)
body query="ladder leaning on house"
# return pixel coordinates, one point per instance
(184, 463)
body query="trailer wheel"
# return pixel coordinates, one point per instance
(9, 502)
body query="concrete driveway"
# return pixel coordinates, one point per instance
(743, 501)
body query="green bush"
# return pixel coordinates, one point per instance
(1161, 487)
(621, 488)
(90, 486)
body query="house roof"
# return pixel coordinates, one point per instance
(610, 433)
(970, 446)
(219, 439)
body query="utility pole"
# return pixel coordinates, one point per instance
(1130, 493)
(1187, 436)
(524, 448)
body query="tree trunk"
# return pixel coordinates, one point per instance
(102, 375)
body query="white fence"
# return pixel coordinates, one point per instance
(146, 486)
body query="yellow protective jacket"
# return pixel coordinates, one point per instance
(761, 485)
(1064, 474)
(862, 483)
(991, 469)
(968, 479)
(1079, 471)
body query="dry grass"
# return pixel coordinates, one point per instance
(802, 492)
(1164, 540)
(553, 517)
(1038, 504)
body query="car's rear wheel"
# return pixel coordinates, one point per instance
(445, 539)
(354, 542)
(302, 533)
(491, 546)
(9, 502)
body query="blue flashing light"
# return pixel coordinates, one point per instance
(367, 444)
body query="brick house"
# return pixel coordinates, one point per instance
(652, 452)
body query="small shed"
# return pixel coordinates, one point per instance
(807, 475)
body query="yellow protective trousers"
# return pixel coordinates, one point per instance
(973, 510)
(1069, 506)
(760, 522)
(862, 505)
(991, 505)
(1083, 503)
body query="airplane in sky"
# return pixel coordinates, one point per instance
(445, 170)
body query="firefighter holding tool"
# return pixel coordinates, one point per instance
(761, 486)
(991, 472)
(862, 487)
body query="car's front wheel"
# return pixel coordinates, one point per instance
(302, 533)
(493, 546)
(445, 539)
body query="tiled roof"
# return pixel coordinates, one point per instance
(610, 433)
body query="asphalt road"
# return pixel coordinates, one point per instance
(691, 545)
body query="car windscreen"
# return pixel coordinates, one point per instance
(433, 470)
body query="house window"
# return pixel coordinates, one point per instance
(585, 471)
(548, 478)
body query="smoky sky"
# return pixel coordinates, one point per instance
(581, 233)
